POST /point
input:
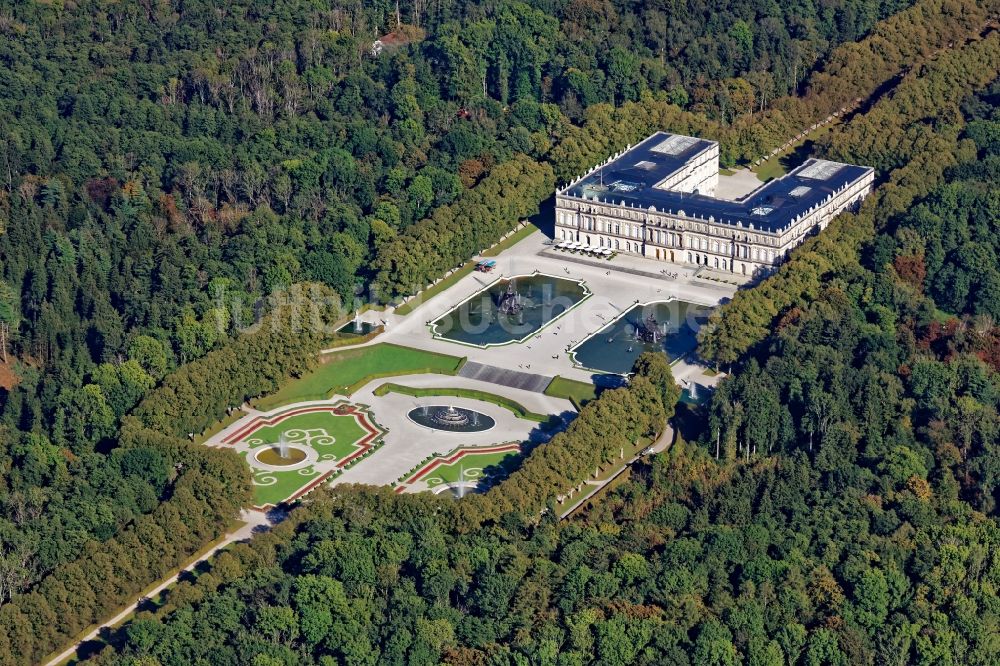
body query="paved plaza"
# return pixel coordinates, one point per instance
(616, 286)
(407, 444)
(738, 185)
(383, 446)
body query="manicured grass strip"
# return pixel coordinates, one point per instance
(579, 393)
(595, 493)
(448, 467)
(219, 426)
(289, 486)
(517, 408)
(348, 340)
(344, 429)
(308, 417)
(472, 465)
(429, 293)
(607, 471)
(347, 371)
(771, 168)
(774, 167)
(511, 241)
(273, 488)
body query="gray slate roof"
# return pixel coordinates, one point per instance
(631, 178)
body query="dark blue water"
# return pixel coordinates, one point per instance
(459, 420)
(478, 321)
(359, 328)
(615, 347)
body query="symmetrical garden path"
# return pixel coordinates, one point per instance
(332, 434)
(462, 468)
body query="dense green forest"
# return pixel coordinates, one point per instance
(161, 180)
(845, 518)
(168, 170)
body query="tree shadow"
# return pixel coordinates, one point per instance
(546, 430)
(799, 154)
(545, 218)
(691, 421)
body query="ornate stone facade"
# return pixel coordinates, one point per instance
(657, 200)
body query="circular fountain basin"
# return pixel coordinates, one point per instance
(451, 419)
(271, 455)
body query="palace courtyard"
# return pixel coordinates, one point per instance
(448, 395)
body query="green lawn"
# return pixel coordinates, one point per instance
(451, 280)
(471, 467)
(275, 487)
(595, 493)
(777, 166)
(771, 169)
(513, 240)
(218, 426)
(345, 372)
(579, 393)
(612, 468)
(474, 466)
(517, 408)
(333, 436)
(314, 429)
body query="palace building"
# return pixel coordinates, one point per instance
(657, 199)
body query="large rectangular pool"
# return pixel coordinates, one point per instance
(615, 347)
(509, 310)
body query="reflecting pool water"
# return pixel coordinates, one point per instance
(451, 419)
(356, 327)
(509, 310)
(668, 326)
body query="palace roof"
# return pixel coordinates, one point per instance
(632, 180)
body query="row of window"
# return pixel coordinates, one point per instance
(700, 171)
(721, 263)
(672, 240)
(659, 236)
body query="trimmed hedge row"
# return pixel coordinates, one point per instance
(208, 490)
